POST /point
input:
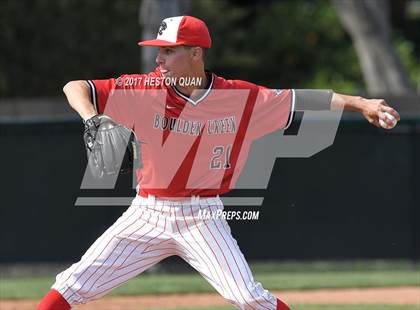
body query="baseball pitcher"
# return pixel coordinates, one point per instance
(193, 130)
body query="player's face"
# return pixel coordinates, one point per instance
(175, 61)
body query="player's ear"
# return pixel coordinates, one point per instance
(196, 53)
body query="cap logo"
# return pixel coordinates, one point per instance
(162, 27)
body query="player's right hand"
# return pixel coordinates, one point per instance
(374, 109)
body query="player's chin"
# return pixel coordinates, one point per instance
(166, 74)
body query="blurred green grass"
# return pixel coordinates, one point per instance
(273, 276)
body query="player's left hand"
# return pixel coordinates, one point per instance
(374, 109)
(111, 147)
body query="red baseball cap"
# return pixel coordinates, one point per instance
(181, 30)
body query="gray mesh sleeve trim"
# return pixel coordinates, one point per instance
(313, 99)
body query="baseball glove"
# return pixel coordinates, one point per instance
(111, 148)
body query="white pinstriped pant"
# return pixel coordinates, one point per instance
(153, 229)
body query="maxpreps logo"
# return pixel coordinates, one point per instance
(228, 132)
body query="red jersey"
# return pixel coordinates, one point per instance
(193, 145)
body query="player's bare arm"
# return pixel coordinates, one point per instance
(372, 109)
(78, 96)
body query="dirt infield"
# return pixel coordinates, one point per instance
(391, 296)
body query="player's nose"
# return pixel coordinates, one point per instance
(159, 59)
